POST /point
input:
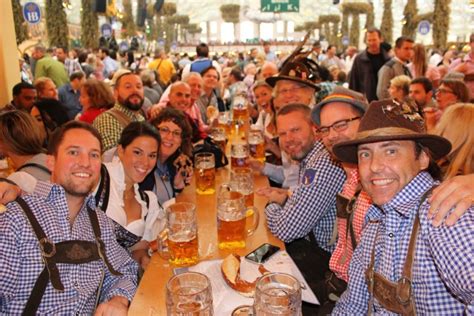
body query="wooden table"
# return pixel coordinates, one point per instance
(150, 296)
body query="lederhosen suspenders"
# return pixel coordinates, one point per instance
(345, 210)
(395, 296)
(70, 252)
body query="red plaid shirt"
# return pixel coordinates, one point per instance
(341, 257)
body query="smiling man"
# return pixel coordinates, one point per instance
(305, 219)
(60, 255)
(129, 93)
(403, 264)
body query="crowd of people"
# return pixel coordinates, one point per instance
(370, 161)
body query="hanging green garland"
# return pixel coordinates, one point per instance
(387, 21)
(89, 26)
(56, 24)
(230, 13)
(355, 31)
(128, 24)
(441, 22)
(21, 29)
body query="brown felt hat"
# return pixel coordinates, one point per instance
(302, 70)
(390, 120)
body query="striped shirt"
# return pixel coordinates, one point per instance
(312, 206)
(443, 267)
(21, 261)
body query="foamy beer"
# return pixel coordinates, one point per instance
(239, 154)
(180, 242)
(257, 145)
(218, 136)
(240, 111)
(224, 121)
(232, 219)
(205, 173)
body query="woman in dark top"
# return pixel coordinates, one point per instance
(174, 167)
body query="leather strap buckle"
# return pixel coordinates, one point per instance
(47, 247)
(404, 290)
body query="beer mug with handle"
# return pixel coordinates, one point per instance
(232, 228)
(276, 294)
(178, 242)
(241, 180)
(189, 293)
(205, 173)
(256, 145)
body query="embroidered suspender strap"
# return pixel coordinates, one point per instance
(103, 192)
(345, 210)
(99, 242)
(121, 117)
(396, 296)
(35, 165)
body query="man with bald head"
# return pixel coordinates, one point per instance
(180, 99)
(269, 69)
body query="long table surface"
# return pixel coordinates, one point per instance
(150, 296)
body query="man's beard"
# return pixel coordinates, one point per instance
(130, 105)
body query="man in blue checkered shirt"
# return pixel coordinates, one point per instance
(403, 264)
(56, 256)
(305, 220)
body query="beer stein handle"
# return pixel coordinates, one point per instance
(255, 220)
(162, 244)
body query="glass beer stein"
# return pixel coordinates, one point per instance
(239, 154)
(219, 137)
(277, 294)
(179, 241)
(241, 180)
(205, 173)
(189, 293)
(232, 230)
(224, 121)
(256, 145)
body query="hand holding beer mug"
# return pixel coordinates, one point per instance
(257, 145)
(232, 218)
(189, 293)
(239, 154)
(205, 173)
(179, 241)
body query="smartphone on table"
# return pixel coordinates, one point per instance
(262, 253)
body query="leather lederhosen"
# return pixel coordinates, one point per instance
(70, 252)
(396, 297)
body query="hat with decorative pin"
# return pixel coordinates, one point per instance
(392, 120)
(297, 67)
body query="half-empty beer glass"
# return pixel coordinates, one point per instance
(188, 294)
(179, 242)
(205, 173)
(232, 230)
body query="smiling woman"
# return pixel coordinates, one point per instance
(135, 210)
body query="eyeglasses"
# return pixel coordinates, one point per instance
(339, 126)
(441, 90)
(165, 131)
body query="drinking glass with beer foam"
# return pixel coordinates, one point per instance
(189, 293)
(219, 137)
(179, 241)
(231, 219)
(239, 155)
(241, 180)
(256, 145)
(205, 173)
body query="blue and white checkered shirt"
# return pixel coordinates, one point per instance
(312, 206)
(443, 267)
(21, 261)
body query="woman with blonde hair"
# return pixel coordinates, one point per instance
(399, 87)
(457, 125)
(419, 66)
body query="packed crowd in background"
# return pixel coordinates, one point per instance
(354, 140)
